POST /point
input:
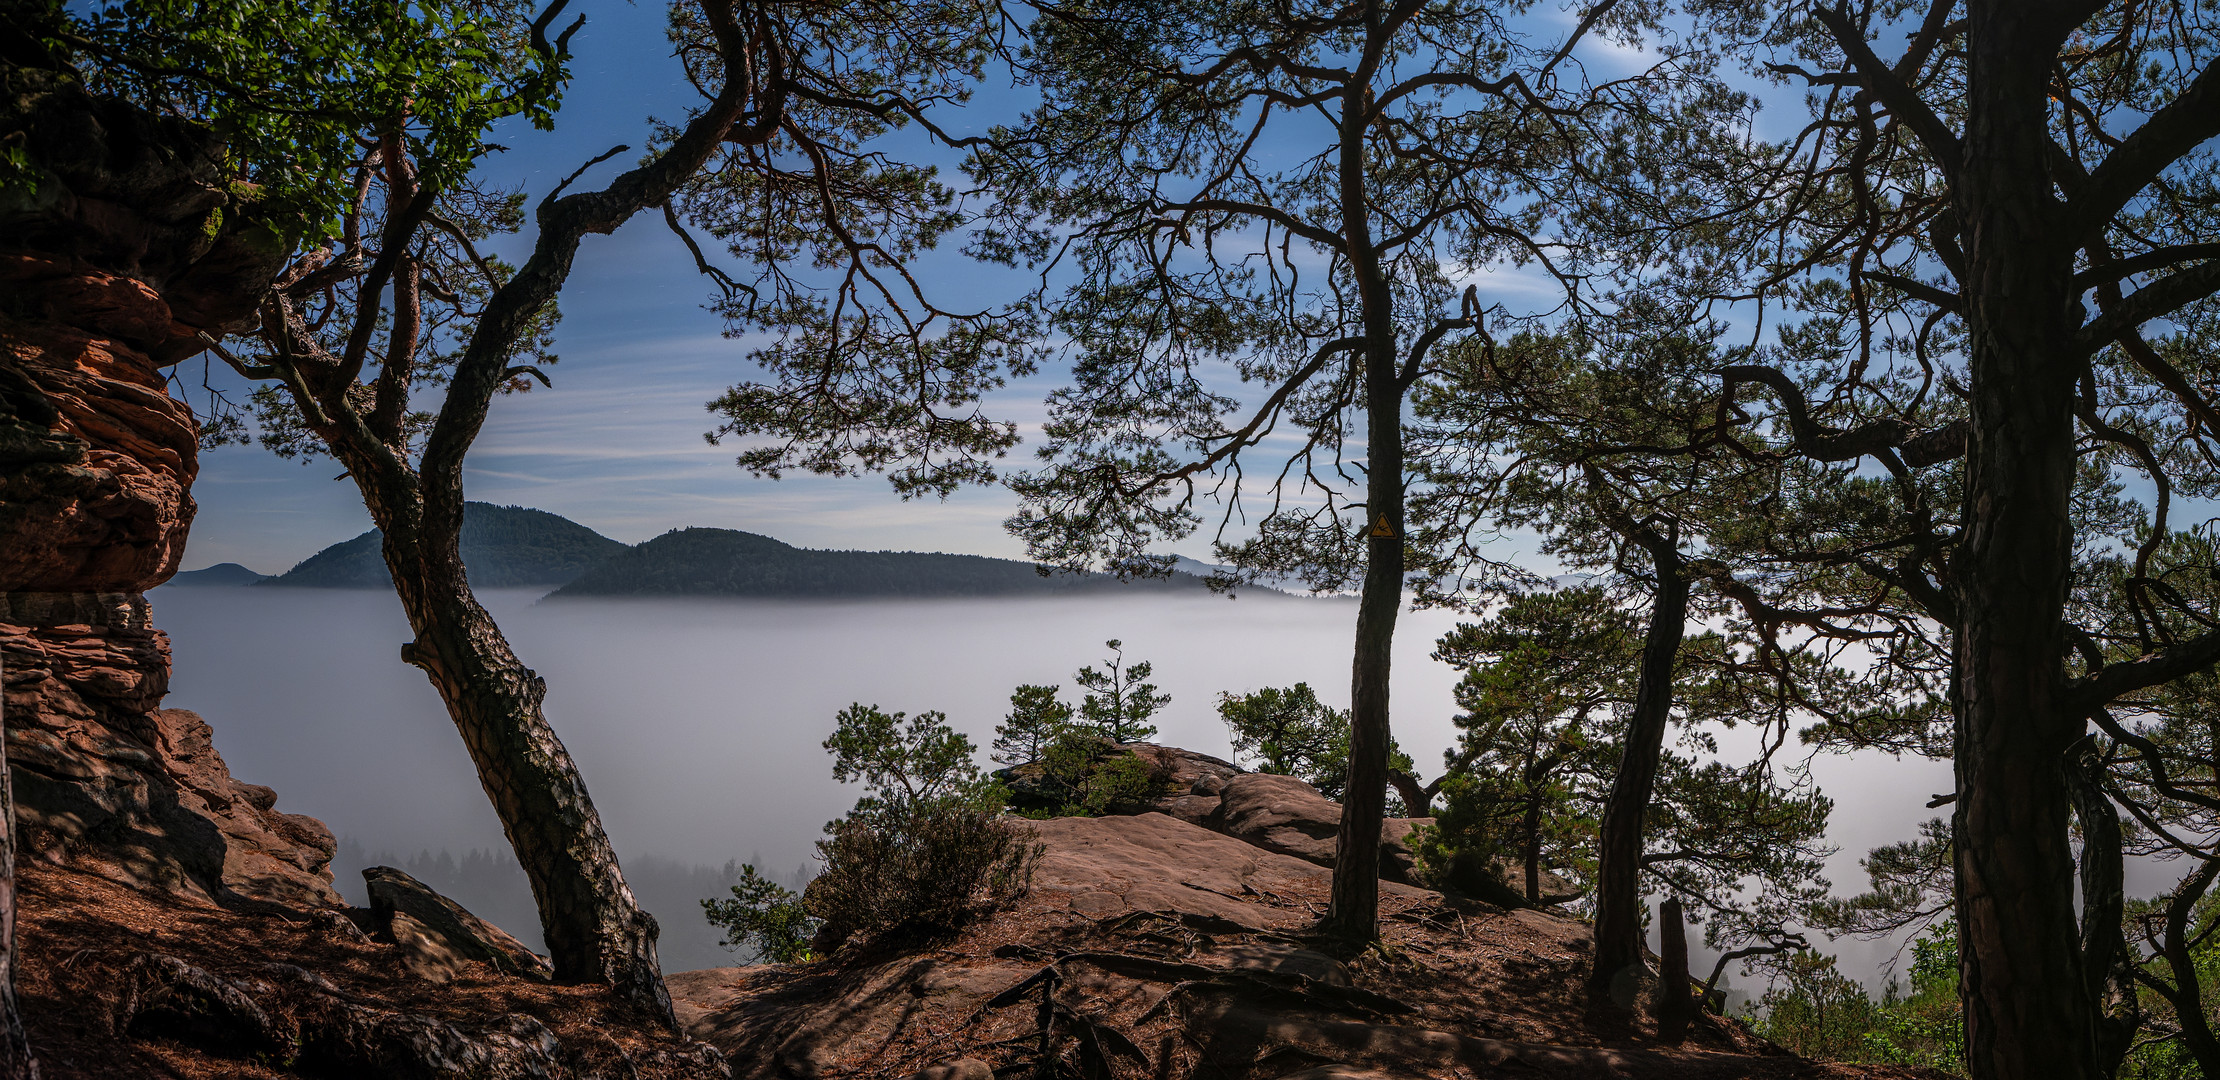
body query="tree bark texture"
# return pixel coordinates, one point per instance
(593, 925)
(1675, 1008)
(1530, 844)
(16, 1060)
(1618, 961)
(1354, 911)
(2020, 963)
(1417, 800)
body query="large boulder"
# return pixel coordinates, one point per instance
(1190, 782)
(1182, 783)
(1286, 815)
(440, 933)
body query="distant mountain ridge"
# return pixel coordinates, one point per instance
(725, 562)
(502, 547)
(223, 574)
(514, 546)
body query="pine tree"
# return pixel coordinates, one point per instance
(1120, 699)
(1037, 716)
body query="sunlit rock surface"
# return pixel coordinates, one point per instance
(1151, 947)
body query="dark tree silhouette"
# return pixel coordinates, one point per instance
(402, 298)
(1283, 197)
(2013, 214)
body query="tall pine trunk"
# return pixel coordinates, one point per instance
(2022, 984)
(1618, 960)
(1354, 911)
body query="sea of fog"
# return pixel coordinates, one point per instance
(698, 723)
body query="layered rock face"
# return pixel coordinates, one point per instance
(126, 253)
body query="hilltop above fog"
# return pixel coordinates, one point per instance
(519, 547)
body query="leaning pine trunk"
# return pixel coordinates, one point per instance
(16, 1062)
(594, 928)
(1618, 961)
(2187, 993)
(2021, 980)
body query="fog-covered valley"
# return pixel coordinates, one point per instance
(698, 723)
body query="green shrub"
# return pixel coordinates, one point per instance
(764, 916)
(926, 845)
(923, 871)
(1820, 1013)
(1084, 774)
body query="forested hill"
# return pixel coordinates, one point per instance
(722, 562)
(219, 575)
(503, 547)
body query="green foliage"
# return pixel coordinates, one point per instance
(903, 766)
(1544, 679)
(926, 845)
(1296, 735)
(862, 371)
(1815, 1010)
(763, 916)
(1289, 729)
(292, 84)
(1911, 885)
(1083, 774)
(1548, 683)
(1037, 716)
(1119, 699)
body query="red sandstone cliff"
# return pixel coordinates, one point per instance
(130, 248)
(171, 921)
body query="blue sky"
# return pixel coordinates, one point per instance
(617, 443)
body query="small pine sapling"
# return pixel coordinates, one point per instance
(1120, 699)
(1037, 716)
(763, 916)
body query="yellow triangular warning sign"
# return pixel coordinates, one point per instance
(1380, 526)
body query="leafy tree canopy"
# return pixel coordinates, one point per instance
(292, 84)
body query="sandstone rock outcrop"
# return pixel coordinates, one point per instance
(125, 982)
(171, 922)
(131, 246)
(410, 913)
(1277, 813)
(1286, 815)
(1153, 948)
(106, 778)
